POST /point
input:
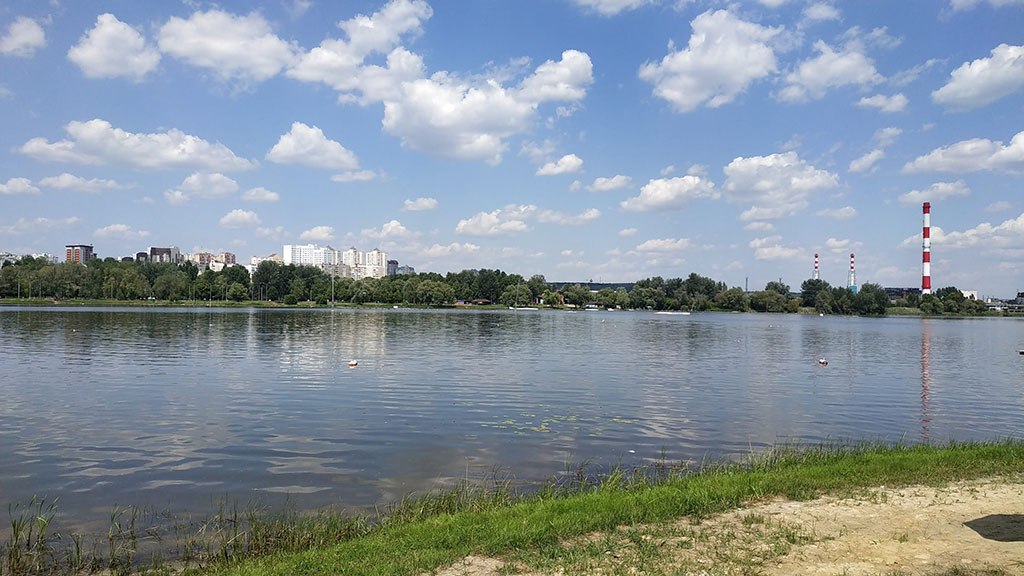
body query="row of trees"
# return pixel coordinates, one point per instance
(117, 280)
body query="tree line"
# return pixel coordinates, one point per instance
(113, 279)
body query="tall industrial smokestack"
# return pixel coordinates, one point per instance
(926, 254)
(853, 277)
(815, 266)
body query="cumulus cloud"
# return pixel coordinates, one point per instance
(501, 222)
(970, 4)
(616, 182)
(277, 233)
(821, 12)
(936, 192)
(844, 213)
(355, 176)
(392, 230)
(18, 186)
(438, 251)
(774, 186)
(419, 205)
(1009, 234)
(112, 49)
(611, 7)
(895, 103)
(866, 163)
(202, 185)
(627, 232)
(240, 48)
(260, 194)
(770, 248)
(24, 36)
(724, 56)
(972, 156)
(760, 227)
(121, 232)
(565, 165)
(664, 245)
(985, 80)
(554, 217)
(307, 145)
(470, 119)
(886, 136)
(238, 218)
(98, 142)
(830, 69)
(318, 234)
(36, 225)
(1000, 206)
(670, 194)
(68, 181)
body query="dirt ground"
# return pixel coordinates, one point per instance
(967, 528)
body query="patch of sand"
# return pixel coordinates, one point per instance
(912, 531)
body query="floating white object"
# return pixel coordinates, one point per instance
(822, 361)
(353, 363)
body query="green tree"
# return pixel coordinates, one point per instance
(930, 305)
(237, 292)
(170, 286)
(517, 295)
(810, 288)
(768, 301)
(777, 286)
(576, 295)
(732, 299)
(871, 300)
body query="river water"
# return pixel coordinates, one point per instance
(177, 409)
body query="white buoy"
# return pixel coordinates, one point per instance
(353, 363)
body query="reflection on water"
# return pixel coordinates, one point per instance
(179, 408)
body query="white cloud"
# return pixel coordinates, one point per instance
(120, 231)
(318, 234)
(774, 186)
(985, 80)
(664, 245)
(820, 12)
(97, 142)
(627, 232)
(607, 184)
(24, 36)
(895, 103)
(298, 8)
(725, 55)
(419, 205)
(307, 145)
(760, 227)
(502, 222)
(112, 49)
(909, 76)
(392, 230)
(470, 119)
(844, 213)
(611, 7)
(242, 48)
(355, 176)
(277, 233)
(936, 192)
(1009, 234)
(202, 185)
(886, 136)
(553, 217)
(238, 218)
(830, 69)
(36, 225)
(566, 165)
(260, 194)
(837, 246)
(769, 248)
(68, 181)
(866, 163)
(972, 156)
(970, 4)
(1000, 206)
(537, 153)
(438, 251)
(670, 193)
(18, 186)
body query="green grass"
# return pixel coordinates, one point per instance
(635, 515)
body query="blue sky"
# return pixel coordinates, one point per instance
(609, 140)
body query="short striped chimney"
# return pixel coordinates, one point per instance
(926, 254)
(815, 266)
(853, 277)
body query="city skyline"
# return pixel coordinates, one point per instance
(611, 140)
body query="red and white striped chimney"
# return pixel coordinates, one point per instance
(926, 254)
(853, 278)
(815, 266)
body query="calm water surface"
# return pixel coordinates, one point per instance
(178, 409)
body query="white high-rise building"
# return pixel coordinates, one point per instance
(307, 255)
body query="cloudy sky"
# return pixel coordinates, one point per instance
(609, 140)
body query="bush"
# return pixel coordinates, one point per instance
(291, 300)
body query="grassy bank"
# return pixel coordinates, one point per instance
(421, 534)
